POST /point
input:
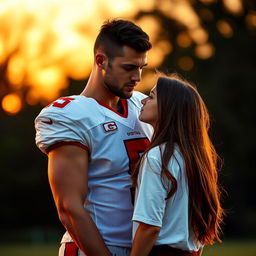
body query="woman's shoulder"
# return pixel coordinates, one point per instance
(158, 150)
(154, 152)
(176, 161)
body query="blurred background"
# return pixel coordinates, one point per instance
(46, 52)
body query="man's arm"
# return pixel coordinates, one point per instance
(145, 238)
(67, 172)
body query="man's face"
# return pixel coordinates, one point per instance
(123, 73)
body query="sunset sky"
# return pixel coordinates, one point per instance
(45, 42)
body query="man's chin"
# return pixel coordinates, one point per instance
(127, 95)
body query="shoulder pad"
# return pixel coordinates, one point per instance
(76, 108)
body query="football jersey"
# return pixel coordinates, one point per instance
(114, 142)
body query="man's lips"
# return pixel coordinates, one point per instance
(131, 85)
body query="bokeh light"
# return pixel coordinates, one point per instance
(11, 103)
(186, 63)
(44, 43)
(204, 51)
(183, 40)
(251, 20)
(234, 6)
(224, 28)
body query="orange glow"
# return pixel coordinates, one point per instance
(2, 58)
(11, 103)
(43, 43)
(208, 1)
(118, 8)
(251, 20)
(181, 11)
(183, 40)
(32, 97)
(150, 25)
(15, 72)
(234, 6)
(186, 63)
(199, 35)
(165, 46)
(161, 48)
(157, 54)
(145, 5)
(48, 80)
(206, 14)
(224, 28)
(148, 81)
(204, 51)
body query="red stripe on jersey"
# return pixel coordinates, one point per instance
(63, 143)
(71, 249)
(124, 106)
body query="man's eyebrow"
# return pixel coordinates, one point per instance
(134, 65)
(152, 92)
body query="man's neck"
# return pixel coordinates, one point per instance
(94, 89)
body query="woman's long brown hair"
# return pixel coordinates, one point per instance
(183, 120)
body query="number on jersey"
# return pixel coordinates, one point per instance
(134, 148)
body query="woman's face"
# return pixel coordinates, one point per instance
(149, 111)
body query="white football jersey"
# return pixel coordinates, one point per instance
(114, 142)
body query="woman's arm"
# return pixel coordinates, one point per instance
(144, 239)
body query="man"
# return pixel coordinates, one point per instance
(93, 140)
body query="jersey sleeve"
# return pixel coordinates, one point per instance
(56, 127)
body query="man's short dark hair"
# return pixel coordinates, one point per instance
(115, 34)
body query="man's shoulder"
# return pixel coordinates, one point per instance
(75, 108)
(137, 97)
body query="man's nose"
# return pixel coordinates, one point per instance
(136, 76)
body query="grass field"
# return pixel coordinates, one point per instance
(228, 248)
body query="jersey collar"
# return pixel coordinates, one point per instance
(124, 106)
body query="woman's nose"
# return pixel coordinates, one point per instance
(143, 101)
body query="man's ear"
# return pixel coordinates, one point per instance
(101, 60)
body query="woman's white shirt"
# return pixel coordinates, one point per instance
(151, 206)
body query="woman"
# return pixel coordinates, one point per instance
(177, 204)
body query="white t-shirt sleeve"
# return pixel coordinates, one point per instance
(151, 193)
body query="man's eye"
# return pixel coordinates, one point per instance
(128, 68)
